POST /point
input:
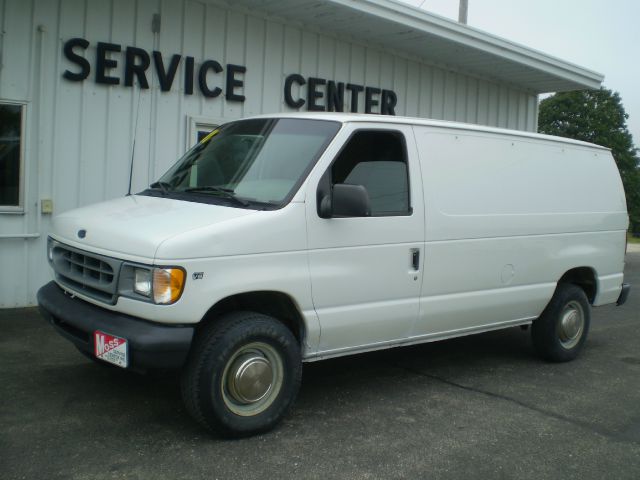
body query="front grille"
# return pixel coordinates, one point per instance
(86, 267)
(88, 273)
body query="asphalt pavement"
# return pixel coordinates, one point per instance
(476, 407)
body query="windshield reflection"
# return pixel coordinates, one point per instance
(249, 162)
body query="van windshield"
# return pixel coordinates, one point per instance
(249, 163)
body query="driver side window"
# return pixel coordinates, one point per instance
(376, 160)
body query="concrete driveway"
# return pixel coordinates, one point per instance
(476, 407)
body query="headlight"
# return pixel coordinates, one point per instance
(142, 282)
(167, 284)
(162, 285)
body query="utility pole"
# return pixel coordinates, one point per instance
(462, 11)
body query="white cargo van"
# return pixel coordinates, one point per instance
(291, 238)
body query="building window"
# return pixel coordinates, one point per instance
(202, 132)
(199, 128)
(11, 133)
(376, 160)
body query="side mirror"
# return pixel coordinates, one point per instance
(345, 200)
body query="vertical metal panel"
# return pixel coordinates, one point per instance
(13, 288)
(450, 91)
(274, 71)
(400, 66)
(39, 137)
(532, 113)
(309, 54)
(16, 24)
(255, 55)
(472, 101)
(342, 60)
(292, 47)
(512, 118)
(522, 111)
(503, 106)
(193, 35)
(426, 91)
(438, 94)
(122, 104)
(95, 147)
(167, 128)
(17, 32)
(460, 99)
(386, 70)
(372, 74)
(494, 104)
(68, 119)
(326, 53)
(484, 103)
(143, 112)
(413, 89)
(214, 49)
(235, 53)
(357, 70)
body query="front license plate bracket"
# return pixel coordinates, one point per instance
(111, 348)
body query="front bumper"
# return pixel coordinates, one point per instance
(150, 345)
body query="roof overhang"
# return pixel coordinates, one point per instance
(430, 38)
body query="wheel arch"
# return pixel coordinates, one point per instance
(585, 278)
(278, 305)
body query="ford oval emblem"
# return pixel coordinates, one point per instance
(82, 233)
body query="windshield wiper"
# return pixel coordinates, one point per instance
(160, 186)
(223, 192)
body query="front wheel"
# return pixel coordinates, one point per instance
(560, 332)
(243, 374)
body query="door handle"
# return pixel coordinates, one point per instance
(415, 259)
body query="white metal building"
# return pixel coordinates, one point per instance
(80, 80)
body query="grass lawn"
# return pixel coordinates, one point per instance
(632, 239)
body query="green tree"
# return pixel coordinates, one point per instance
(597, 116)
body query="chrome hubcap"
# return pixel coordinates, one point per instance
(571, 325)
(252, 379)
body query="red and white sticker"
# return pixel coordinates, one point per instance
(111, 349)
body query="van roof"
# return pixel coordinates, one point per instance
(388, 119)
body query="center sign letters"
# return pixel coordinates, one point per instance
(328, 96)
(321, 94)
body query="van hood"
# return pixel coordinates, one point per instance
(135, 226)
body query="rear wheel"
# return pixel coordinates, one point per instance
(243, 374)
(560, 332)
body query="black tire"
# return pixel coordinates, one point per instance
(561, 331)
(260, 350)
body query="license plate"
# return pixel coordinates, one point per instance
(111, 349)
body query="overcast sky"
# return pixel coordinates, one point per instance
(601, 35)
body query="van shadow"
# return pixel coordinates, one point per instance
(462, 356)
(96, 394)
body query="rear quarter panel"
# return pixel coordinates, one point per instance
(506, 217)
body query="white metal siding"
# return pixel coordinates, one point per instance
(79, 135)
